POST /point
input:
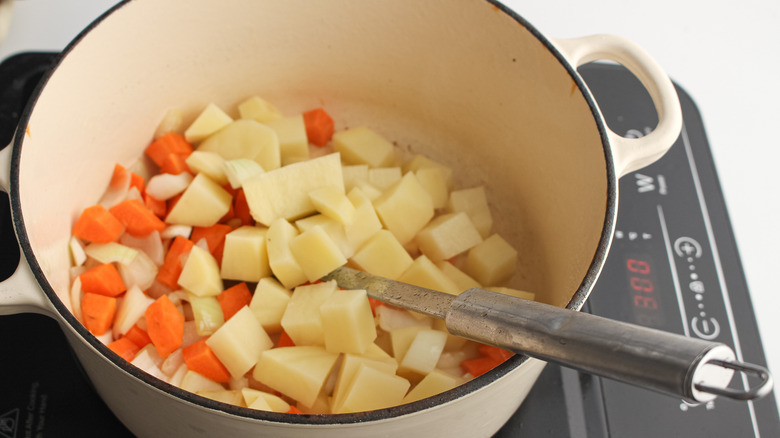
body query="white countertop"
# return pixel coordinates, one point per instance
(724, 55)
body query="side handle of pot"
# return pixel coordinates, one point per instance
(20, 292)
(631, 154)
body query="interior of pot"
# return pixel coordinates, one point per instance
(462, 82)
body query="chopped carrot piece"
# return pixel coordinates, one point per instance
(138, 336)
(175, 164)
(138, 219)
(479, 366)
(170, 270)
(233, 299)
(285, 340)
(241, 208)
(214, 235)
(157, 206)
(165, 325)
(170, 143)
(137, 181)
(119, 178)
(319, 126)
(498, 354)
(96, 224)
(200, 358)
(125, 348)
(294, 410)
(103, 279)
(98, 312)
(374, 304)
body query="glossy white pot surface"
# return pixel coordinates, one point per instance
(466, 82)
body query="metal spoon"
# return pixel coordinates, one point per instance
(691, 368)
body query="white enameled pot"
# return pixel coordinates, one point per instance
(466, 82)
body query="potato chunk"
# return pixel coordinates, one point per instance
(269, 303)
(245, 257)
(200, 274)
(383, 255)
(371, 388)
(302, 319)
(405, 208)
(280, 258)
(347, 322)
(362, 145)
(284, 192)
(473, 202)
(447, 236)
(246, 139)
(492, 262)
(298, 372)
(202, 204)
(317, 253)
(209, 121)
(239, 342)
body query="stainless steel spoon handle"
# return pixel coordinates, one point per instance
(692, 368)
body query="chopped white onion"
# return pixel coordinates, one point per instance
(78, 257)
(150, 244)
(111, 252)
(165, 185)
(141, 272)
(172, 231)
(131, 310)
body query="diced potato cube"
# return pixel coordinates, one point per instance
(349, 367)
(474, 203)
(209, 163)
(461, 279)
(209, 121)
(333, 228)
(435, 382)
(365, 222)
(269, 303)
(492, 262)
(246, 139)
(298, 372)
(513, 292)
(228, 396)
(383, 255)
(273, 402)
(370, 191)
(384, 177)
(258, 109)
(354, 174)
(280, 258)
(239, 342)
(405, 208)
(130, 309)
(362, 145)
(434, 180)
(293, 143)
(422, 162)
(260, 404)
(194, 382)
(423, 353)
(284, 192)
(347, 322)
(424, 273)
(302, 319)
(333, 203)
(447, 236)
(245, 257)
(317, 253)
(371, 389)
(202, 204)
(200, 274)
(241, 169)
(402, 338)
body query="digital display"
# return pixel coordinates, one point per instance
(642, 290)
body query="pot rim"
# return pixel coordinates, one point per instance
(575, 303)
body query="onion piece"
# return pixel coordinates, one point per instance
(172, 231)
(77, 254)
(116, 191)
(165, 185)
(111, 252)
(150, 244)
(141, 272)
(131, 310)
(76, 294)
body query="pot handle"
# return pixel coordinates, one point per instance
(20, 292)
(631, 154)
